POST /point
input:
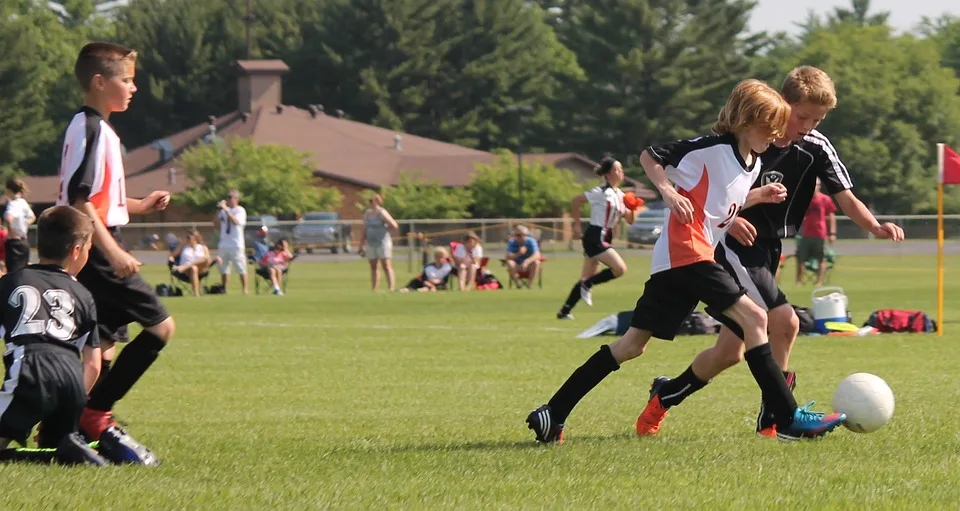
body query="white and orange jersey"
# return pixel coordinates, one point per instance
(91, 168)
(606, 206)
(711, 173)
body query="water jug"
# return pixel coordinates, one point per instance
(831, 307)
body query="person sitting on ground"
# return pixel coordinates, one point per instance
(523, 254)
(274, 263)
(434, 276)
(467, 257)
(192, 260)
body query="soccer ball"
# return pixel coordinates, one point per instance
(866, 399)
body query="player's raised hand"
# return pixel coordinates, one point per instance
(773, 193)
(124, 265)
(157, 201)
(888, 231)
(743, 231)
(680, 206)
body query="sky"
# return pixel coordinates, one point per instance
(775, 15)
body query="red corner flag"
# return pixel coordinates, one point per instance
(949, 166)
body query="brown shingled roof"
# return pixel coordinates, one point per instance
(339, 149)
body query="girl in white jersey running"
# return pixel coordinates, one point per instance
(606, 209)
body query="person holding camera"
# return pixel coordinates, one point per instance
(231, 249)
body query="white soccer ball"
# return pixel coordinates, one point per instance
(866, 399)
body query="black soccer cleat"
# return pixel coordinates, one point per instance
(74, 450)
(542, 423)
(119, 447)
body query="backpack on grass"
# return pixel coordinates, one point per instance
(896, 320)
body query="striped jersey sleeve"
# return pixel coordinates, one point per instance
(83, 159)
(831, 171)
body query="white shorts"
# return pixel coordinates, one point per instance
(384, 251)
(235, 257)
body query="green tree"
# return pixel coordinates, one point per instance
(886, 129)
(412, 198)
(443, 69)
(34, 87)
(273, 179)
(656, 69)
(547, 190)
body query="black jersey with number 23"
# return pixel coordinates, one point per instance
(797, 167)
(45, 304)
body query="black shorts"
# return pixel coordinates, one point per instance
(120, 301)
(18, 254)
(596, 240)
(671, 295)
(42, 383)
(754, 268)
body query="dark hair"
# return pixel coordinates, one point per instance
(59, 229)
(16, 185)
(605, 165)
(105, 59)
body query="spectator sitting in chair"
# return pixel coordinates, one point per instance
(261, 245)
(434, 276)
(274, 263)
(523, 255)
(819, 228)
(467, 257)
(191, 261)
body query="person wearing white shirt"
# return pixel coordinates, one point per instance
(191, 261)
(231, 220)
(17, 217)
(467, 257)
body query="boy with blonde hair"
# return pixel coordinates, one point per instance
(92, 180)
(712, 177)
(751, 250)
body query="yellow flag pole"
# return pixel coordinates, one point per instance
(940, 240)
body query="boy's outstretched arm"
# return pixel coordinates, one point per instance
(858, 212)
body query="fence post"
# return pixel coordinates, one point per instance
(411, 237)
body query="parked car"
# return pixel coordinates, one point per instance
(647, 226)
(275, 232)
(329, 235)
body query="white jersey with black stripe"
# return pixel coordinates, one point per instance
(91, 168)
(606, 206)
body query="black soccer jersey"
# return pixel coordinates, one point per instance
(44, 304)
(797, 166)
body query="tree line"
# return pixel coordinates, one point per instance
(599, 76)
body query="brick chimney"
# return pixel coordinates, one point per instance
(260, 83)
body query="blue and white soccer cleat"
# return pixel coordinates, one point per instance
(809, 424)
(119, 447)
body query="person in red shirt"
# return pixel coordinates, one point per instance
(815, 234)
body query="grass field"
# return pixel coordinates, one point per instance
(333, 397)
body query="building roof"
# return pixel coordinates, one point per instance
(340, 149)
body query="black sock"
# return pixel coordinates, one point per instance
(773, 386)
(130, 365)
(104, 371)
(572, 299)
(676, 390)
(582, 381)
(767, 419)
(604, 276)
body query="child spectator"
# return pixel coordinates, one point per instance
(434, 276)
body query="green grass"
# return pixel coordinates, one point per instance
(336, 397)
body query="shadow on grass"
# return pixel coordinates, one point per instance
(503, 445)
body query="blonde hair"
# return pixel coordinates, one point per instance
(105, 59)
(442, 252)
(807, 84)
(753, 103)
